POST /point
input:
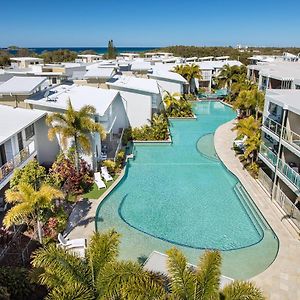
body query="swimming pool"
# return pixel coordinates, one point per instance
(182, 195)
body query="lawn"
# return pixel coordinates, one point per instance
(95, 193)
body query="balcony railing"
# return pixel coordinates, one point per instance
(292, 175)
(273, 126)
(268, 154)
(17, 160)
(291, 137)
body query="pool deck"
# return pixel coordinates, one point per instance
(282, 279)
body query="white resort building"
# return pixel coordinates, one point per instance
(280, 150)
(23, 136)
(110, 112)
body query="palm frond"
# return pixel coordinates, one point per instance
(182, 278)
(242, 290)
(208, 276)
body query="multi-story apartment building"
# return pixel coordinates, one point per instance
(23, 136)
(275, 75)
(280, 150)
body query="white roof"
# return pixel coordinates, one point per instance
(89, 55)
(168, 76)
(205, 57)
(140, 66)
(26, 59)
(129, 54)
(21, 85)
(222, 57)
(288, 99)
(105, 72)
(157, 262)
(210, 65)
(13, 120)
(133, 83)
(58, 97)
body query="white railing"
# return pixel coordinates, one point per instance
(289, 173)
(268, 154)
(265, 180)
(287, 205)
(273, 126)
(17, 160)
(291, 137)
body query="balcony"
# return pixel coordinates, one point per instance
(273, 126)
(8, 168)
(291, 137)
(289, 173)
(268, 154)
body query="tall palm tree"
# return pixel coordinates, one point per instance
(99, 276)
(171, 99)
(29, 205)
(250, 127)
(189, 72)
(203, 283)
(77, 126)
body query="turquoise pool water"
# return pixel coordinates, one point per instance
(182, 195)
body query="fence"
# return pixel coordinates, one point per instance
(291, 210)
(265, 180)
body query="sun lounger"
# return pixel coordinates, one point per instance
(100, 183)
(74, 243)
(105, 174)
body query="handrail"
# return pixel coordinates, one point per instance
(268, 154)
(273, 126)
(289, 173)
(18, 159)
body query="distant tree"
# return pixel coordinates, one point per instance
(89, 51)
(111, 50)
(61, 55)
(4, 58)
(24, 52)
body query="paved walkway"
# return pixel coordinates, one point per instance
(282, 279)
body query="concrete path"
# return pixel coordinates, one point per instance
(282, 279)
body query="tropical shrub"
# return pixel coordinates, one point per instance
(16, 282)
(120, 159)
(63, 175)
(32, 174)
(176, 106)
(157, 131)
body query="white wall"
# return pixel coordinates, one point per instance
(138, 107)
(47, 151)
(169, 86)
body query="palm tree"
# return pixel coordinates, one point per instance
(250, 127)
(75, 125)
(29, 205)
(189, 72)
(99, 276)
(203, 283)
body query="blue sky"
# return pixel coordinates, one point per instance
(149, 23)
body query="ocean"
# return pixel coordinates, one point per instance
(99, 50)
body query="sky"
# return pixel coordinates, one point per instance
(138, 23)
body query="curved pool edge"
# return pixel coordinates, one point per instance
(223, 140)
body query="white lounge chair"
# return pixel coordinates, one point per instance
(74, 243)
(105, 174)
(100, 183)
(240, 143)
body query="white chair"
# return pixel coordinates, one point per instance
(74, 243)
(105, 174)
(100, 183)
(240, 143)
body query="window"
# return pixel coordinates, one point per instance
(20, 141)
(273, 108)
(29, 132)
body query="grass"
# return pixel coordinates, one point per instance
(95, 193)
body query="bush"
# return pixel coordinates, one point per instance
(127, 136)
(158, 131)
(120, 159)
(64, 175)
(32, 173)
(16, 283)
